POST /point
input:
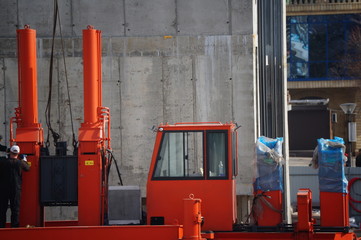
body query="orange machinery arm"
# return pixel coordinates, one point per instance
(29, 133)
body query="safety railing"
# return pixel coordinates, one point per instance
(104, 119)
(13, 120)
(317, 2)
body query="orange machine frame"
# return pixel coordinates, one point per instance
(218, 195)
(29, 133)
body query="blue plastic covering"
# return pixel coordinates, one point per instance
(331, 171)
(269, 164)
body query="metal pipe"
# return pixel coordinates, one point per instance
(27, 70)
(92, 74)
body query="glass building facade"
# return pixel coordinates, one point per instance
(320, 47)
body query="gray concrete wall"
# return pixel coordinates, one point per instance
(203, 72)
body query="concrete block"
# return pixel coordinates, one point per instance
(8, 18)
(242, 12)
(45, 47)
(2, 101)
(178, 102)
(213, 81)
(40, 16)
(141, 108)
(150, 18)
(152, 46)
(188, 46)
(93, 12)
(244, 108)
(8, 47)
(11, 92)
(75, 79)
(115, 46)
(110, 68)
(203, 17)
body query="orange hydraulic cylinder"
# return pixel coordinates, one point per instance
(92, 74)
(192, 219)
(29, 134)
(27, 70)
(90, 190)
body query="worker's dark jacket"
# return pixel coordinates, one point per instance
(10, 173)
(3, 148)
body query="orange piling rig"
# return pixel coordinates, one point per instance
(94, 137)
(29, 133)
(188, 158)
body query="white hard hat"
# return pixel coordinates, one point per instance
(15, 149)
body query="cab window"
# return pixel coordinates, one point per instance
(216, 154)
(180, 156)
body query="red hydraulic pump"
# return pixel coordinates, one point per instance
(94, 137)
(29, 133)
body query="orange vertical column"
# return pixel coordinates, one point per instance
(192, 218)
(90, 200)
(29, 134)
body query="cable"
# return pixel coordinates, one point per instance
(75, 142)
(352, 201)
(56, 136)
(112, 158)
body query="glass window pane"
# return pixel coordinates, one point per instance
(170, 161)
(317, 42)
(318, 70)
(216, 149)
(299, 70)
(336, 41)
(194, 154)
(180, 155)
(316, 19)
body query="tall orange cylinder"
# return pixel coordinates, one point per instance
(27, 70)
(29, 133)
(92, 74)
(192, 219)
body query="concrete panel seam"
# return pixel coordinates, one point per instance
(125, 24)
(175, 24)
(229, 17)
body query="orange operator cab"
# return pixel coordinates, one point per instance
(194, 159)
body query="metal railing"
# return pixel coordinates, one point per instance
(301, 2)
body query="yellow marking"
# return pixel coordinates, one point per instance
(168, 37)
(89, 162)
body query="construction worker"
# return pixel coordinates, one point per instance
(3, 148)
(10, 184)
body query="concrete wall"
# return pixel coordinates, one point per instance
(203, 72)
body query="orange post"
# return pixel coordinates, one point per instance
(29, 134)
(332, 216)
(271, 205)
(192, 218)
(304, 227)
(93, 137)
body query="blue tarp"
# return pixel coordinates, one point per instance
(269, 164)
(331, 165)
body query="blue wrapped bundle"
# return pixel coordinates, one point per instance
(269, 164)
(331, 161)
